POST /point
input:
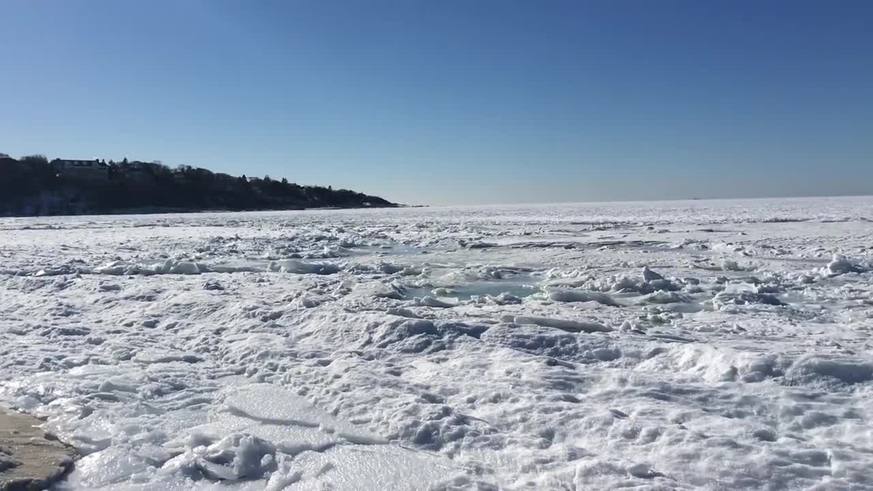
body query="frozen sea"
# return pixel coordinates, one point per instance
(668, 345)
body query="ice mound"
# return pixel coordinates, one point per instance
(650, 276)
(653, 281)
(733, 265)
(393, 290)
(841, 265)
(422, 335)
(431, 301)
(389, 268)
(234, 457)
(722, 299)
(567, 295)
(170, 266)
(562, 324)
(546, 341)
(818, 368)
(450, 290)
(715, 365)
(665, 297)
(477, 244)
(303, 267)
(503, 298)
(625, 284)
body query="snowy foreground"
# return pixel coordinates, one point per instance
(679, 345)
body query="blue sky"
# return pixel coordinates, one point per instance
(445, 102)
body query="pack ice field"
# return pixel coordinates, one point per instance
(674, 345)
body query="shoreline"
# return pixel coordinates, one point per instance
(29, 457)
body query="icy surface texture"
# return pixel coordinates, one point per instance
(675, 345)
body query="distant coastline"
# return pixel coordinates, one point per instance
(35, 186)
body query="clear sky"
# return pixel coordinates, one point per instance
(455, 101)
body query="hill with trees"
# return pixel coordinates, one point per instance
(33, 185)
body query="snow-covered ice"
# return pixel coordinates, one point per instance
(673, 345)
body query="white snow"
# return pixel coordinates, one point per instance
(450, 348)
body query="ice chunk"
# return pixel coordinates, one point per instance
(664, 297)
(562, 324)
(430, 301)
(184, 267)
(841, 265)
(845, 370)
(302, 267)
(234, 457)
(567, 295)
(744, 298)
(649, 275)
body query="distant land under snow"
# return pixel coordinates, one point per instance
(35, 186)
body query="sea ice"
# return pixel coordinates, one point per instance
(452, 348)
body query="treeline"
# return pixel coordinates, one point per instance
(33, 185)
